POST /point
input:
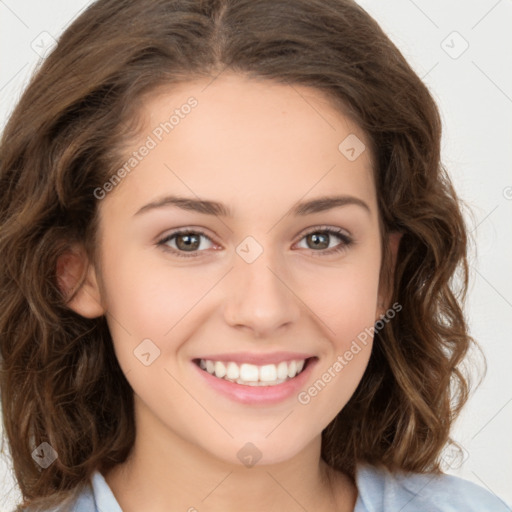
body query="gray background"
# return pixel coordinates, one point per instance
(462, 51)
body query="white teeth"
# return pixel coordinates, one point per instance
(251, 374)
(268, 373)
(292, 369)
(220, 369)
(233, 372)
(282, 370)
(210, 366)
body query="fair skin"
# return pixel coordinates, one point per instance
(259, 148)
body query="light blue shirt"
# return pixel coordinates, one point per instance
(378, 491)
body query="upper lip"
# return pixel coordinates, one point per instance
(257, 359)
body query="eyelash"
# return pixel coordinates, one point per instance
(346, 241)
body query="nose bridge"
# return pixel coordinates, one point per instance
(260, 298)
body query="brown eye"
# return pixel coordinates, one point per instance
(183, 241)
(320, 240)
(188, 242)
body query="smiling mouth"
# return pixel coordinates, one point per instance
(254, 375)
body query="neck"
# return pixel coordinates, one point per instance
(165, 472)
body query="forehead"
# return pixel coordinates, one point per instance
(245, 142)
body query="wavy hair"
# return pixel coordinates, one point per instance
(60, 381)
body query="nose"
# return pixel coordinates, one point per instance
(261, 298)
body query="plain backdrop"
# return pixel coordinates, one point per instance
(462, 51)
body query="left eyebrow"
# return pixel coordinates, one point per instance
(322, 204)
(207, 207)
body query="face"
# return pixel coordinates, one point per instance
(269, 280)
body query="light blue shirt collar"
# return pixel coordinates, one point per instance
(378, 491)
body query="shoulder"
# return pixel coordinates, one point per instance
(380, 490)
(95, 497)
(83, 502)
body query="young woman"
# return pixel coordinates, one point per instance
(227, 245)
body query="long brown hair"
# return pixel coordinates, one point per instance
(60, 380)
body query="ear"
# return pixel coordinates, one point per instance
(73, 267)
(385, 289)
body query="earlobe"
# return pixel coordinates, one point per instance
(78, 283)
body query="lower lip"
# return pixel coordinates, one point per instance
(259, 394)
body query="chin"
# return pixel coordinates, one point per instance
(262, 452)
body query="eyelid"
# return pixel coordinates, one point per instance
(326, 227)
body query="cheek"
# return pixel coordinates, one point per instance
(334, 384)
(346, 299)
(347, 307)
(346, 303)
(149, 300)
